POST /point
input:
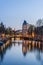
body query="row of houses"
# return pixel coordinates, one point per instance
(26, 30)
(35, 31)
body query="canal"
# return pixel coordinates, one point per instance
(21, 52)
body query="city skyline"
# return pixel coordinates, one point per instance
(14, 12)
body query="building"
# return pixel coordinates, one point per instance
(25, 28)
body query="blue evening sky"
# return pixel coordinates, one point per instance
(14, 12)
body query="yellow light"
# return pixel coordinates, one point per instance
(32, 34)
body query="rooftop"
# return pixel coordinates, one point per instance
(25, 23)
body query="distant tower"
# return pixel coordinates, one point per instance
(25, 28)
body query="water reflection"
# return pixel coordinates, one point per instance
(31, 46)
(3, 49)
(27, 47)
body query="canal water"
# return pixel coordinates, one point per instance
(21, 53)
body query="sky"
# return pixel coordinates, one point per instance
(14, 12)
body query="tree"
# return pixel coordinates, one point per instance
(30, 29)
(39, 22)
(39, 28)
(9, 30)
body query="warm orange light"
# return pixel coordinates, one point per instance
(32, 34)
(3, 35)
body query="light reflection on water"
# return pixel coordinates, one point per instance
(21, 53)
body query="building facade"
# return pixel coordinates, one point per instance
(25, 28)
